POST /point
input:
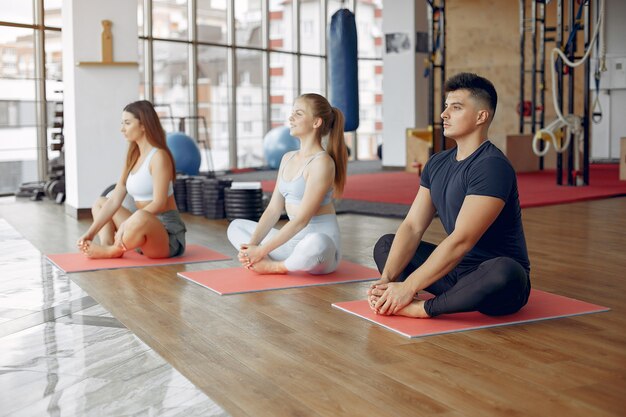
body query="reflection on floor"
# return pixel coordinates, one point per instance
(62, 354)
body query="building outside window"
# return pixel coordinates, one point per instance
(19, 125)
(263, 96)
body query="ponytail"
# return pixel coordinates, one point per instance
(332, 125)
(338, 152)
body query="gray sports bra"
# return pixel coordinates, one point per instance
(293, 190)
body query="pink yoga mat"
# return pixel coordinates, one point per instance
(240, 280)
(77, 262)
(541, 306)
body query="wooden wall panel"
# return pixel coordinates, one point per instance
(483, 37)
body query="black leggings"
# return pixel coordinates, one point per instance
(496, 287)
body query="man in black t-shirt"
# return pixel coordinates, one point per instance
(482, 265)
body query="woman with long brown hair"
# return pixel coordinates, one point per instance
(156, 228)
(307, 180)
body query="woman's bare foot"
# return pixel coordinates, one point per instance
(94, 251)
(415, 309)
(267, 266)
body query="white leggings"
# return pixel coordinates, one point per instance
(316, 249)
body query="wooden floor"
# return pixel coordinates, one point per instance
(288, 353)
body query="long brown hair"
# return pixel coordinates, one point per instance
(332, 125)
(144, 111)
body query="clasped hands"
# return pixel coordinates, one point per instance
(249, 254)
(387, 298)
(83, 243)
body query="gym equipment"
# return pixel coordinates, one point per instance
(77, 262)
(180, 192)
(436, 69)
(185, 152)
(562, 64)
(203, 136)
(343, 67)
(240, 280)
(276, 143)
(214, 197)
(54, 187)
(243, 203)
(195, 198)
(541, 306)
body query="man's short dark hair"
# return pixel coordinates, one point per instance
(479, 87)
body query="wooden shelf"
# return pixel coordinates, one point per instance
(106, 64)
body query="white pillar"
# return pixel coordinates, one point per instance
(606, 135)
(94, 96)
(405, 90)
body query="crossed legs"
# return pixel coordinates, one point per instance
(127, 231)
(497, 286)
(314, 252)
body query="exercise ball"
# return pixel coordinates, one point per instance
(276, 143)
(185, 152)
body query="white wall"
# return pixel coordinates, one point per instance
(95, 96)
(405, 90)
(605, 142)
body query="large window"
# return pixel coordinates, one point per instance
(239, 70)
(281, 36)
(369, 33)
(212, 21)
(251, 101)
(312, 29)
(213, 103)
(17, 11)
(171, 77)
(18, 124)
(282, 87)
(169, 19)
(20, 127)
(312, 71)
(248, 23)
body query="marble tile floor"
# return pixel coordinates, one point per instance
(62, 354)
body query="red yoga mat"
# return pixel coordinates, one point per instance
(240, 280)
(535, 188)
(541, 306)
(77, 262)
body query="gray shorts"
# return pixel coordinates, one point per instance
(176, 229)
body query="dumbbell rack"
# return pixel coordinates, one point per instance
(54, 187)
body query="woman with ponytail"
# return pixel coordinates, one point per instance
(307, 181)
(156, 228)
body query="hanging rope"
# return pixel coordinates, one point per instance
(571, 122)
(596, 115)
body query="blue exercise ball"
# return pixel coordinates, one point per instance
(185, 152)
(276, 143)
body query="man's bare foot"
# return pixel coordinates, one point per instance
(415, 309)
(95, 251)
(267, 266)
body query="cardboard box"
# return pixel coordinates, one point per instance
(419, 145)
(519, 150)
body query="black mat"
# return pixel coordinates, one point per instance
(371, 209)
(341, 206)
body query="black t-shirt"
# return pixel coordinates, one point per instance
(485, 172)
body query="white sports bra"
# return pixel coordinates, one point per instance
(139, 185)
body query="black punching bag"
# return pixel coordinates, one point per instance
(344, 68)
